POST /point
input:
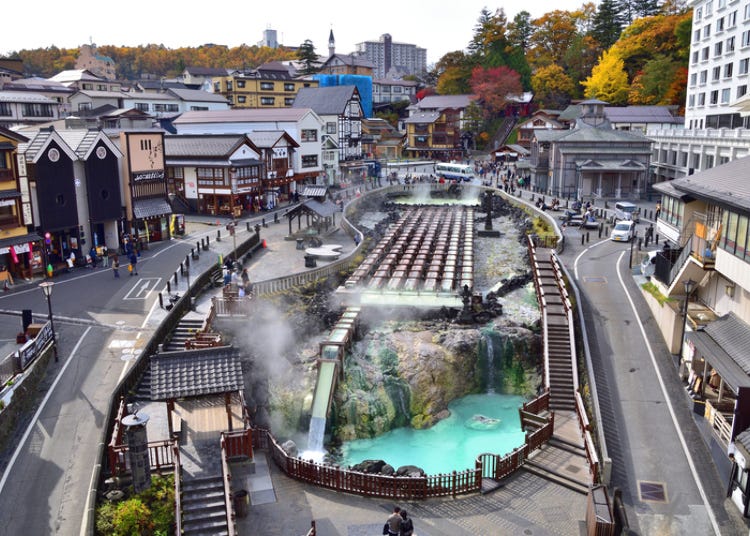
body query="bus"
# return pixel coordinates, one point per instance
(453, 171)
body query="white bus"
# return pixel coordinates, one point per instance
(453, 171)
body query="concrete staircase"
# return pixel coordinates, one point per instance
(143, 389)
(185, 330)
(203, 508)
(562, 396)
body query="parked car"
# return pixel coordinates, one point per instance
(624, 231)
(625, 210)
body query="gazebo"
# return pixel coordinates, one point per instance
(320, 216)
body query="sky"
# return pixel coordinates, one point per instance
(440, 26)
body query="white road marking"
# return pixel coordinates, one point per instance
(142, 288)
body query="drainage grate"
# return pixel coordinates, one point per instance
(595, 279)
(652, 491)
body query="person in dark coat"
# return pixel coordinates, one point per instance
(133, 263)
(407, 526)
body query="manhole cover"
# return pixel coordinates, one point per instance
(595, 279)
(652, 491)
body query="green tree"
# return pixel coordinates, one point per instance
(520, 31)
(453, 73)
(553, 34)
(308, 57)
(607, 23)
(608, 80)
(552, 87)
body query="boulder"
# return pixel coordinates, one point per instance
(387, 470)
(412, 471)
(480, 422)
(290, 447)
(369, 466)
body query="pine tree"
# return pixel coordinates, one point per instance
(607, 25)
(308, 57)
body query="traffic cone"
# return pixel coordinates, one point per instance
(263, 244)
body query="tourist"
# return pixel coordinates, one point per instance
(116, 266)
(407, 526)
(133, 266)
(393, 523)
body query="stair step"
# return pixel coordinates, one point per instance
(539, 470)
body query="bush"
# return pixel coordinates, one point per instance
(150, 513)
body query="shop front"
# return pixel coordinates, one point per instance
(20, 257)
(152, 219)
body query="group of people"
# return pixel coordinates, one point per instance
(398, 524)
(236, 276)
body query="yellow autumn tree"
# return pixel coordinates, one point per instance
(608, 81)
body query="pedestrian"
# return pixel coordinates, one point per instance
(92, 254)
(116, 267)
(71, 260)
(393, 523)
(133, 266)
(407, 526)
(657, 211)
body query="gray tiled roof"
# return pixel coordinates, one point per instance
(641, 114)
(423, 117)
(733, 335)
(331, 100)
(151, 207)
(726, 184)
(197, 95)
(217, 145)
(195, 373)
(587, 133)
(269, 138)
(242, 115)
(441, 102)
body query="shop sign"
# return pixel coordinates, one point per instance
(279, 152)
(148, 175)
(20, 248)
(33, 349)
(7, 202)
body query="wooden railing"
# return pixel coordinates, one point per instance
(159, 454)
(221, 306)
(227, 479)
(239, 443)
(588, 441)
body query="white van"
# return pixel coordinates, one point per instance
(625, 210)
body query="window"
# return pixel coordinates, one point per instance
(267, 101)
(706, 31)
(730, 45)
(240, 84)
(101, 87)
(217, 87)
(720, 25)
(309, 160)
(717, 48)
(288, 87)
(266, 86)
(746, 14)
(142, 106)
(331, 127)
(704, 54)
(5, 110)
(166, 108)
(698, 14)
(745, 38)
(229, 86)
(691, 101)
(693, 79)
(198, 108)
(241, 99)
(728, 70)
(701, 99)
(88, 87)
(732, 19)
(309, 134)
(397, 89)
(743, 65)
(289, 101)
(714, 97)
(715, 74)
(697, 35)
(725, 93)
(704, 76)
(37, 110)
(145, 145)
(741, 91)
(709, 8)
(722, 4)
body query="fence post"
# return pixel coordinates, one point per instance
(161, 301)
(218, 235)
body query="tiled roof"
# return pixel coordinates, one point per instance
(151, 207)
(332, 100)
(441, 102)
(219, 145)
(197, 95)
(733, 335)
(423, 117)
(242, 115)
(206, 71)
(726, 184)
(24, 96)
(195, 373)
(641, 114)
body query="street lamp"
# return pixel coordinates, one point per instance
(689, 285)
(47, 289)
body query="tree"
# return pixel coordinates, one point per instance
(607, 23)
(552, 87)
(309, 58)
(553, 34)
(608, 80)
(646, 8)
(454, 71)
(490, 29)
(494, 85)
(520, 31)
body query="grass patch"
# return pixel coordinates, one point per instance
(656, 293)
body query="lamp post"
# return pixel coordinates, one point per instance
(689, 285)
(47, 290)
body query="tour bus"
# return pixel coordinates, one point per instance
(453, 171)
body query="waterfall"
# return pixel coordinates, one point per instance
(490, 364)
(315, 434)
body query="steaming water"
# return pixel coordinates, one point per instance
(490, 364)
(450, 444)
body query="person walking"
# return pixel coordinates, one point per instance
(393, 523)
(133, 268)
(116, 267)
(407, 525)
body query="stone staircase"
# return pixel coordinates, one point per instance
(203, 508)
(185, 330)
(562, 396)
(143, 389)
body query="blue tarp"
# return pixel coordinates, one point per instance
(363, 84)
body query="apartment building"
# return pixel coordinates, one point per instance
(391, 59)
(269, 86)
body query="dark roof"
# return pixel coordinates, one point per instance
(725, 185)
(151, 207)
(641, 114)
(733, 335)
(195, 373)
(331, 100)
(13, 135)
(15, 240)
(203, 145)
(206, 71)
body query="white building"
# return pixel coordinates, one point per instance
(393, 60)
(714, 132)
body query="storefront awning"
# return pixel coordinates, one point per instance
(151, 208)
(22, 239)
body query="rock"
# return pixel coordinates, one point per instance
(290, 447)
(387, 470)
(480, 422)
(369, 466)
(412, 471)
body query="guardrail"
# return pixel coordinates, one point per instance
(177, 488)
(160, 457)
(588, 442)
(227, 479)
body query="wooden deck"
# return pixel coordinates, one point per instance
(205, 418)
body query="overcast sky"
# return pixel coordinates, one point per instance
(440, 26)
